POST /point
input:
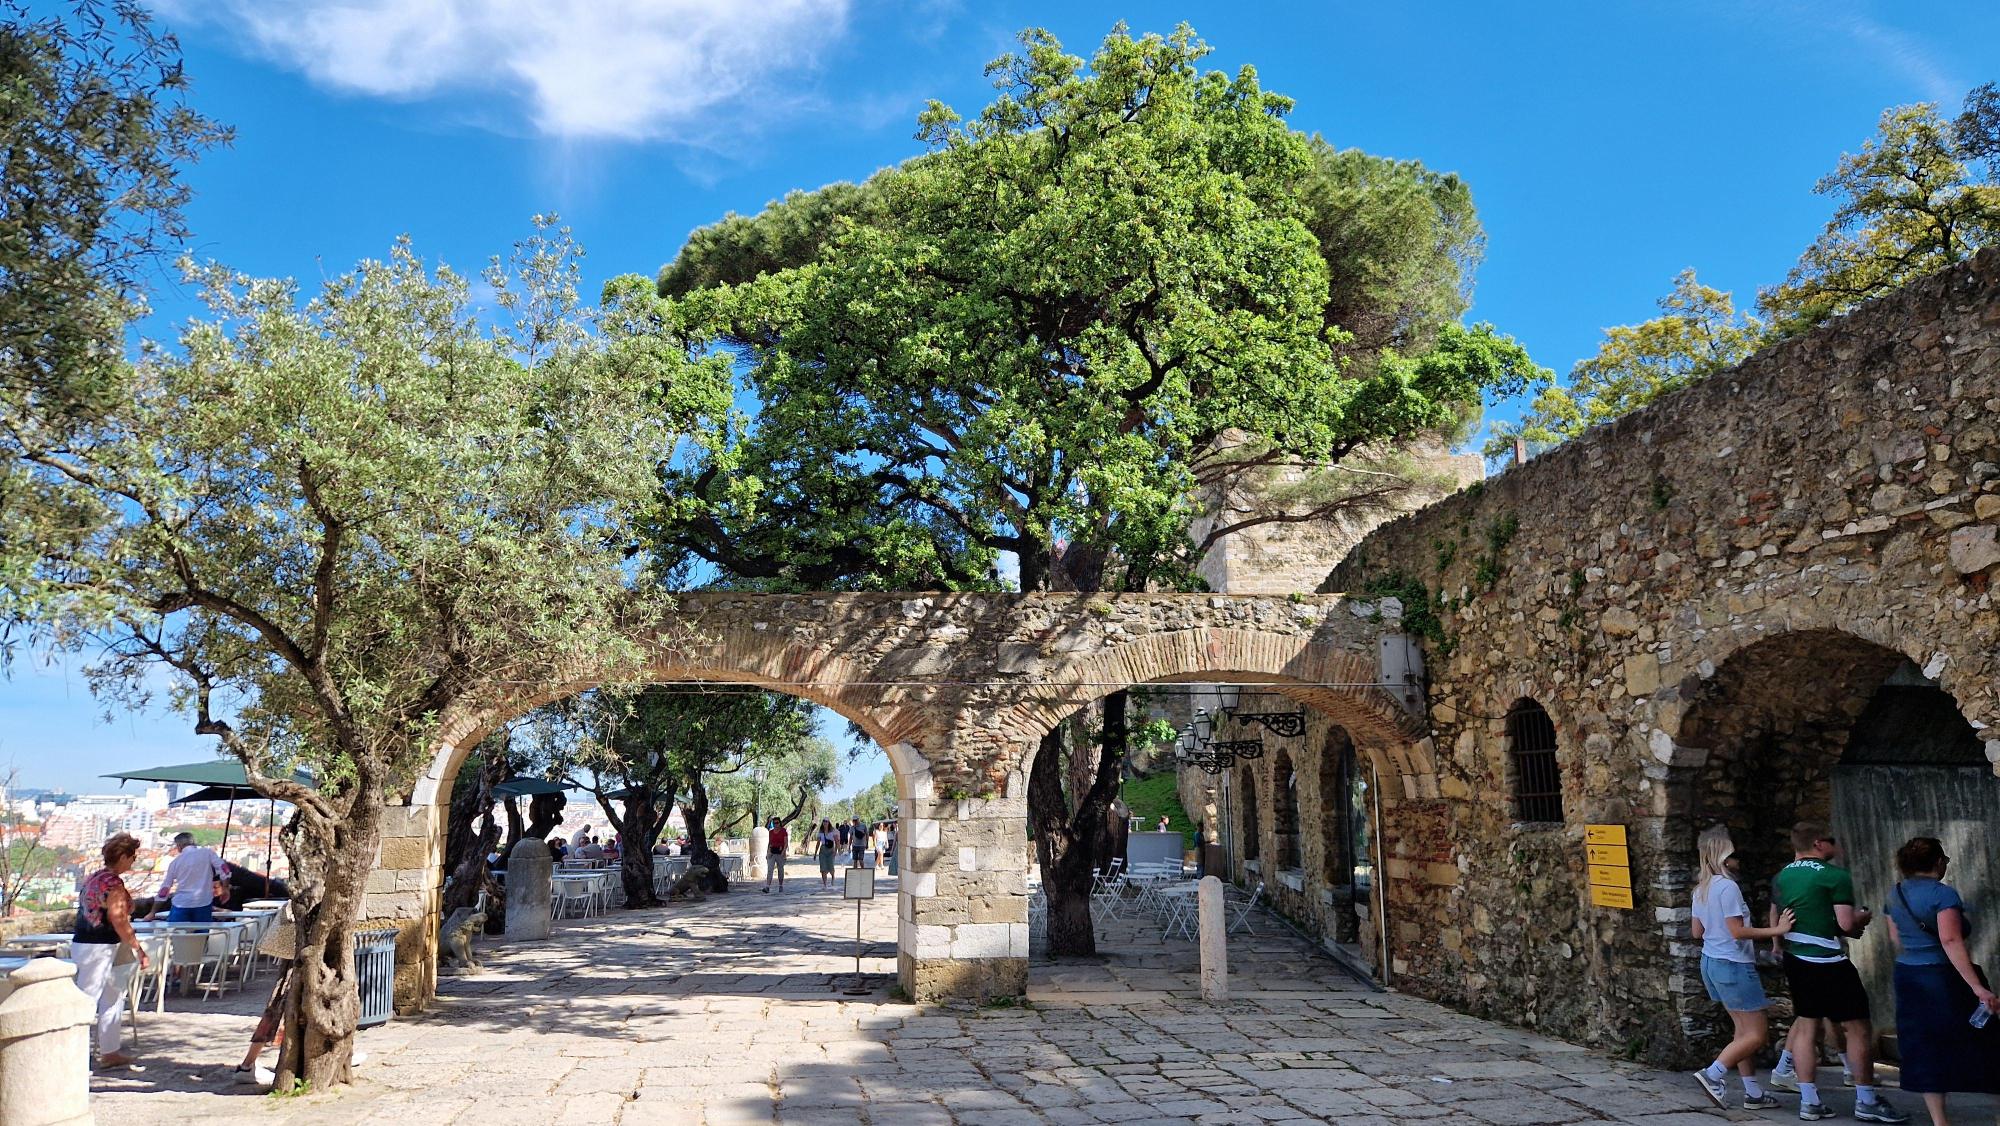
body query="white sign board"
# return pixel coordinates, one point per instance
(860, 884)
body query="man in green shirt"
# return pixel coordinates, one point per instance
(1824, 983)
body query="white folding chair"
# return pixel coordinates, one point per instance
(1241, 919)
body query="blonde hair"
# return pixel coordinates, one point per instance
(1714, 847)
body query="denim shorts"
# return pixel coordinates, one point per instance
(1734, 984)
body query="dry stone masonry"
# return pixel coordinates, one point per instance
(1710, 598)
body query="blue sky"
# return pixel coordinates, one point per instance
(1608, 147)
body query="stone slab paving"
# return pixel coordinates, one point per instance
(732, 1011)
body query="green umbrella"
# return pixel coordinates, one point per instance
(225, 776)
(527, 788)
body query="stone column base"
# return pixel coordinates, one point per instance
(973, 979)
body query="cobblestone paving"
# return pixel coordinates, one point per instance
(732, 1011)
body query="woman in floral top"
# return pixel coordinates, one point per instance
(103, 927)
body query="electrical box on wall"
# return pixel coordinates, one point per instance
(1402, 671)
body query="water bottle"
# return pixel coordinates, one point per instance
(1980, 1016)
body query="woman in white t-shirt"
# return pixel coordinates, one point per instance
(1729, 967)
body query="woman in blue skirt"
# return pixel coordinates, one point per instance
(1937, 986)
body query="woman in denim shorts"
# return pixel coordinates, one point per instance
(1729, 968)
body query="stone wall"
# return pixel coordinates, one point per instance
(1836, 497)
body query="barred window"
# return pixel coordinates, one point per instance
(1531, 745)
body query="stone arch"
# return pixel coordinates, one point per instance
(405, 888)
(1335, 680)
(812, 674)
(1765, 738)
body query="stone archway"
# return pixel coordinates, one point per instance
(958, 688)
(1823, 725)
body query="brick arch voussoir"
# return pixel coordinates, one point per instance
(1342, 684)
(811, 674)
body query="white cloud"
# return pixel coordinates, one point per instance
(585, 69)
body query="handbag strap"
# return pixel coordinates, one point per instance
(1929, 928)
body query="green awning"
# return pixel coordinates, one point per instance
(218, 772)
(527, 787)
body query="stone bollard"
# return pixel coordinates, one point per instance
(528, 870)
(1213, 927)
(760, 847)
(45, 1026)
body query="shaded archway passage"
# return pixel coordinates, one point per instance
(1820, 725)
(956, 688)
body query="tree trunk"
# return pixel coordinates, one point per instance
(640, 827)
(1068, 846)
(1070, 929)
(333, 859)
(545, 812)
(516, 828)
(465, 848)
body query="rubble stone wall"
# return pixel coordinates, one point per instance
(1815, 516)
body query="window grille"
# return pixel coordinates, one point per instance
(1531, 740)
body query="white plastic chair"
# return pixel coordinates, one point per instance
(1241, 918)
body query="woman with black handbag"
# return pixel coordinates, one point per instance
(1937, 986)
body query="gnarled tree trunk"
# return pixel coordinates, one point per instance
(1066, 844)
(332, 857)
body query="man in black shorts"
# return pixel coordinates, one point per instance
(1824, 983)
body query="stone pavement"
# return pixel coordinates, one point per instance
(731, 1011)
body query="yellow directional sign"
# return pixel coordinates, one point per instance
(1604, 834)
(1609, 865)
(1611, 897)
(1608, 854)
(1610, 876)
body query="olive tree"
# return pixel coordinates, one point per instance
(334, 522)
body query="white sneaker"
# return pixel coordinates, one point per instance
(1717, 1091)
(1783, 1081)
(255, 1076)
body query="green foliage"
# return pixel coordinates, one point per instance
(1907, 204)
(1154, 795)
(330, 525)
(203, 835)
(93, 140)
(876, 803)
(1699, 333)
(1662, 492)
(1046, 335)
(1423, 610)
(1500, 532)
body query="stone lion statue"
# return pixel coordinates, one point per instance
(689, 884)
(457, 939)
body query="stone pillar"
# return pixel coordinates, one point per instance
(962, 892)
(402, 893)
(45, 1026)
(529, 867)
(1213, 928)
(760, 843)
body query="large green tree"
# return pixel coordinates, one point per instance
(94, 137)
(1051, 335)
(1698, 332)
(1911, 202)
(331, 523)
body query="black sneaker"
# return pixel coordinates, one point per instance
(1878, 1111)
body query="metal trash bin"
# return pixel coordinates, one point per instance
(375, 975)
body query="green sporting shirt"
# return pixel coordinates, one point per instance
(1811, 888)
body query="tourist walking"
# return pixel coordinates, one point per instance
(857, 838)
(1729, 968)
(829, 843)
(1938, 987)
(1824, 984)
(104, 947)
(889, 845)
(190, 884)
(774, 854)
